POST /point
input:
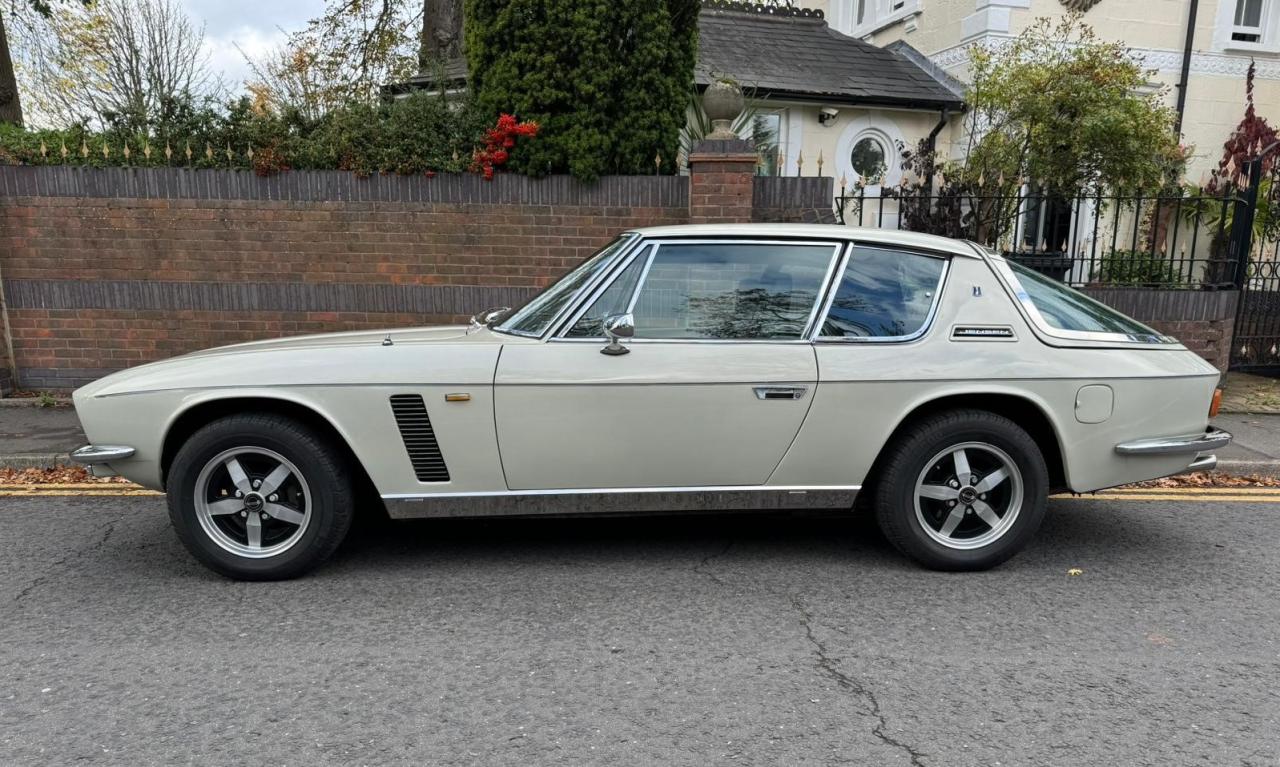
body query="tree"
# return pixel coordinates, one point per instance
(25, 12)
(441, 33)
(1067, 111)
(345, 55)
(120, 63)
(606, 79)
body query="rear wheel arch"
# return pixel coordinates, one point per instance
(1025, 412)
(200, 414)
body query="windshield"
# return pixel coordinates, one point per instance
(537, 314)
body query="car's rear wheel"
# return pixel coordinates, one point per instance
(963, 490)
(260, 497)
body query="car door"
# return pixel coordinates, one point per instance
(714, 388)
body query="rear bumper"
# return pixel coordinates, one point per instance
(95, 454)
(1201, 463)
(1210, 439)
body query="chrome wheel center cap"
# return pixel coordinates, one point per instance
(968, 495)
(253, 502)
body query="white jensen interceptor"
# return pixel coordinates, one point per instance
(732, 367)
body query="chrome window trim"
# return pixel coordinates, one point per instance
(614, 272)
(644, 275)
(924, 328)
(1013, 286)
(631, 238)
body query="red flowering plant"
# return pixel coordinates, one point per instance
(498, 143)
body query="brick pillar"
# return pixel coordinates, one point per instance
(721, 175)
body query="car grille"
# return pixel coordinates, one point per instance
(419, 438)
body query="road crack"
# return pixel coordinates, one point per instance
(703, 567)
(828, 666)
(96, 544)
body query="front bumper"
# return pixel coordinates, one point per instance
(96, 454)
(1211, 439)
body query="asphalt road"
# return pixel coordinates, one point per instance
(648, 641)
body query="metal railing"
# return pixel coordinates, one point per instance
(1177, 239)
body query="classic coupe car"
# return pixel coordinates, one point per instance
(731, 367)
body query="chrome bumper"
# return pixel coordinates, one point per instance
(94, 454)
(1211, 439)
(1201, 463)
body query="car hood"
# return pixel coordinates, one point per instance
(452, 333)
(458, 353)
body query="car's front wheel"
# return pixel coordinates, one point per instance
(260, 497)
(963, 490)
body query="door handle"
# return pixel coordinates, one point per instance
(780, 392)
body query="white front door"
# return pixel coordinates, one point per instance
(718, 380)
(665, 415)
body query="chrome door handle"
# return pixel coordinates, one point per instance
(780, 392)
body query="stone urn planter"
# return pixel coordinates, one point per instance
(723, 102)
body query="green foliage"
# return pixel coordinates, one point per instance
(1139, 268)
(416, 134)
(606, 79)
(1061, 108)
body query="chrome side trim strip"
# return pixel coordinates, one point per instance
(602, 501)
(1211, 439)
(91, 454)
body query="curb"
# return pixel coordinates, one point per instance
(35, 461)
(58, 402)
(1244, 468)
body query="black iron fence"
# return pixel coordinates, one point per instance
(1180, 239)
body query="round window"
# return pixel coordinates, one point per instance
(868, 158)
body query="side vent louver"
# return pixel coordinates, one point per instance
(419, 438)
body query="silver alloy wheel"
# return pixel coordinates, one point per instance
(252, 502)
(968, 495)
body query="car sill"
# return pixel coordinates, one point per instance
(606, 501)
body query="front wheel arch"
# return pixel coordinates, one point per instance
(199, 415)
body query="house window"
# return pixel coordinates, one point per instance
(1246, 25)
(766, 133)
(868, 158)
(871, 15)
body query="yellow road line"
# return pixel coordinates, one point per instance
(1191, 491)
(1224, 494)
(1169, 497)
(83, 493)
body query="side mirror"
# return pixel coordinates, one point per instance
(617, 327)
(480, 319)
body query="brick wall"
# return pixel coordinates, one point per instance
(107, 268)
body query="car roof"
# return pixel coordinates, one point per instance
(816, 231)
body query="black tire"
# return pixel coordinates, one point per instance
(324, 468)
(910, 459)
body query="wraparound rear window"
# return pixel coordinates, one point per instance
(1062, 309)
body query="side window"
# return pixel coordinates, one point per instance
(614, 300)
(883, 294)
(731, 291)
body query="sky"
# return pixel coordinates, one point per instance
(256, 26)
